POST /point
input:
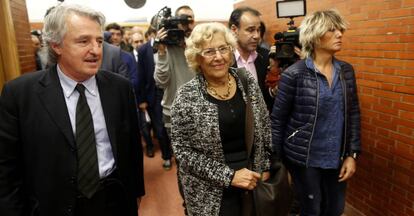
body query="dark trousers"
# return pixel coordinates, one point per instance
(155, 112)
(318, 190)
(110, 200)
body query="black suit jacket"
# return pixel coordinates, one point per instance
(38, 164)
(261, 63)
(112, 60)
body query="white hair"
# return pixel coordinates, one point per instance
(203, 33)
(55, 28)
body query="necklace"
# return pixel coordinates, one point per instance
(213, 91)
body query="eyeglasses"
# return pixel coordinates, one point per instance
(210, 52)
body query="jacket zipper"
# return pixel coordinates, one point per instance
(316, 116)
(293, 134)
(343, 83)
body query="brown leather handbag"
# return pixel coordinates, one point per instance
(274, 196)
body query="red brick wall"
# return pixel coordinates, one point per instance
(380, 45)
(23, 38)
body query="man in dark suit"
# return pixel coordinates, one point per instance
(68, 135)
(112, 60)
(149, 100)
(244, 22)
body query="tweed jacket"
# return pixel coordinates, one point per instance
(198, 148)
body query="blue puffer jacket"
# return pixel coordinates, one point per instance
(295, 111)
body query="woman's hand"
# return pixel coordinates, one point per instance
(348, 169)
(265, 176)
(245, 179)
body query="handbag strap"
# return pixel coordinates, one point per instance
(249, 126)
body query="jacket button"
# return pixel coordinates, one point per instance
(73, 179)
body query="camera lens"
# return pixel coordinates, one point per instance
(287, 50)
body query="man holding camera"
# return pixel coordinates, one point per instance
(244, 22)
(171, 70)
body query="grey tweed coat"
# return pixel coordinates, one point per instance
(197, 146)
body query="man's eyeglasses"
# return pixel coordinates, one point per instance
(210, 52)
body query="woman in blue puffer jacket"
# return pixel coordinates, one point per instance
(316, 118)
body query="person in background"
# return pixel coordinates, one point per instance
(208, 127)
(137, 40)
(69, 134)
(150, 34)
(40, 51)
(149, 101)
(263, 44)
(244, 22)
(316, 117)
(171, 68)
(36, 48)
(115, 55)
(111, 58)
(136, 29)
(117, 34)
(127, 38)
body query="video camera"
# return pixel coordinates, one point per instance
(287, 41)
(175, 36)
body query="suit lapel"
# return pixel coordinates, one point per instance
(51, 96)
(109, 109)
(260, 70)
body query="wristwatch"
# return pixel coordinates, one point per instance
(354, 155)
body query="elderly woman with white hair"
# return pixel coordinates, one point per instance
(208, 127)
(316, 119)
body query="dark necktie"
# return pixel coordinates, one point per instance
(88, 171)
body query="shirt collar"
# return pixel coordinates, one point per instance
(252, 56)
(311, 65)
(68, 84)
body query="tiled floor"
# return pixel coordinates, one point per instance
(162, 197)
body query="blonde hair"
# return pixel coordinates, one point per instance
(314, 26)
(203, 33)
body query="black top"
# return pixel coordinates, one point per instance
(231, 124)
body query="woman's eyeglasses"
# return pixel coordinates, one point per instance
(210, 52)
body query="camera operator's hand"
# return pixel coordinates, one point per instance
(161, 35)
(272, 49)
(298, 52)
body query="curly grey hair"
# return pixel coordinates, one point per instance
(55, 28)
(203, 33)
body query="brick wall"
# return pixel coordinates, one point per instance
(23, 38)
(380, 45)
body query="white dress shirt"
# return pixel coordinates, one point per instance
(106, 159)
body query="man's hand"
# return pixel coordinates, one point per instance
(348, 169)
(272, 49)
(161, 35)
(245, 179)
(143, 105)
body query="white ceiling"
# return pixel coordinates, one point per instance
(118, 11)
